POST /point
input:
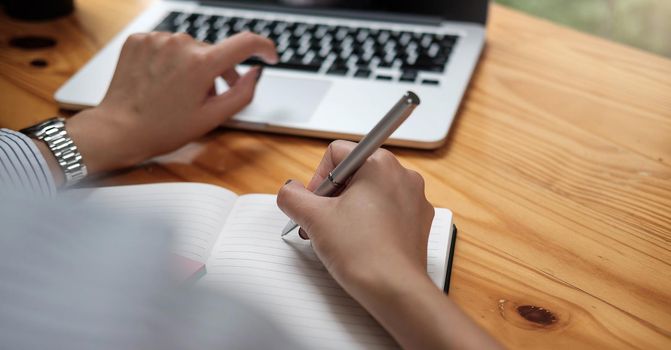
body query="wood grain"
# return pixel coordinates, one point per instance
(557, 170)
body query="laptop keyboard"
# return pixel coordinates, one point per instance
(363, 53)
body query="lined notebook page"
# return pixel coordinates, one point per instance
(195, 212)
(287, 282)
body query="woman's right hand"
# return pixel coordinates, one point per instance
(378, 225)
(373, 239)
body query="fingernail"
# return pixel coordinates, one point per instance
(303, 234)
(286, 183)
(258, 75)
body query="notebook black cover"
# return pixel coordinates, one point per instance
(448, 272)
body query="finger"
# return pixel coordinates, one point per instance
(237, 97)
(240, 47)
(157, 39)
(381, 164)
(231, 76)
(134, 40)
(301, 205)
(335, 153)
(201, 43)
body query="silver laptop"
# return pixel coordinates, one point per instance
(343, 62)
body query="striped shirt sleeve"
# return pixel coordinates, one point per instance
(22, 166)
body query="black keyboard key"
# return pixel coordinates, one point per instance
(309, 67)
(404, 38)
(337, 70)
(340, 62)
(211, 37)
(426, 63)
(192, 18)
(290, 27)
(426, 68)
(322, 54)
(426, 41)
(385, 63)
(242, 26)
(362, 73)
(260, 26)
(341, 33)
(362, 62)
(273, 24)
(193, 31)
(361, 35)
(447, 39)
(409, 76)
(383, 77)
(358, 50)
(294, 64)
(430, 82)
(253, 62)
(168, 24)
(215, 21)
(296, 58)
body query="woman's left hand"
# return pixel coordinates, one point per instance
(162, 96)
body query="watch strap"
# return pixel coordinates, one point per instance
(54, 135)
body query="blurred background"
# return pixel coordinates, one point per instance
(645, 24)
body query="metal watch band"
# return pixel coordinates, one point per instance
(53, 133)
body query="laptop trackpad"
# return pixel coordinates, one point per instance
(280, 99)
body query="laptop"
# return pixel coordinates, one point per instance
(344, 63)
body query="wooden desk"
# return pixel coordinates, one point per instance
(558, 170)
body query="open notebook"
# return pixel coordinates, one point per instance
(238, 238)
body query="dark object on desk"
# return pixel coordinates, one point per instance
(39, 63)
(38, 10)
(450, 259)
(32, 42)
(537, 314)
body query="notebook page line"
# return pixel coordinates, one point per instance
(334, 291)
(298, 292)
(292, 303)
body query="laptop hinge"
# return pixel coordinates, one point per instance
(351, 14)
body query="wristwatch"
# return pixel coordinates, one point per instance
(53, 133)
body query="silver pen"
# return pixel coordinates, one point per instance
(366, 147)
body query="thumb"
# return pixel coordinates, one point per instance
(301, 205)
(223, 107)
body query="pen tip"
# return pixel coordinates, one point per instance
(290, 226)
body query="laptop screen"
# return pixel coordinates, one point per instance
(459, 10)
